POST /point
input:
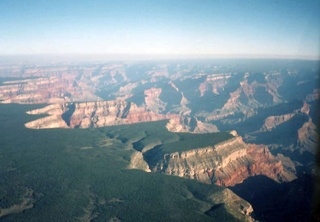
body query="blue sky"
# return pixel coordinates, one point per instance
(165, 27)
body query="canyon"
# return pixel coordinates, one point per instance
(226, 164)
(269, 113)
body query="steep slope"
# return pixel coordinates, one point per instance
(293, 132)
(308, 137)
(190, 124)
(226, 163)
(273, 121)
(94, 114)
(46, 89)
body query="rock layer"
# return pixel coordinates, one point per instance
(94, 114)
(227, 163)
(190, 124)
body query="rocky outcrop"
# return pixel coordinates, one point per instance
(273, 81)
(315, 95)
(54, 121)
(234, 204)
(51, 89)
(93, 114)
(227, 163)
(273, 121)
(215, 83)
(257, 161)
(308, 137)
(305, 108)
(152, 100)
(137, 162)
(234, 104)
(53, 109)
(299, 124)
(190, 124)
(258, 92)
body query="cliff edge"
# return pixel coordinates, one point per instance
(226, 164)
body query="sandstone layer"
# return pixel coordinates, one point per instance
(190, 124)
(227, 163)
(93, 114)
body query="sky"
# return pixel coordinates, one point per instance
(254, 28)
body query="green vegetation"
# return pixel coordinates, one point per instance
(189, 141)
(144, 134)
(185, 142)
(81, 173)
(154, 140)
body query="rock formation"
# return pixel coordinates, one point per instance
(308, 137)
(234, 204)
(273, 121)
(137, 162)
(93, 114)
(152, 100)
(227, 163)
(190, 124)
(46, 90)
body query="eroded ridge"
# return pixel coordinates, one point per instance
(227, 163)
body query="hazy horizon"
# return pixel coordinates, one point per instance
(147, 57)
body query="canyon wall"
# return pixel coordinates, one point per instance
(226, 164)
(94, 114)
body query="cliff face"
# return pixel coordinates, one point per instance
(308, 137)
(273, 121)
(47, 89)
(294, 131)
(94, 114)
(190, 124)
(215, 82)
(227, 163)
(47, 122)
(152, 100)
(234, 204)
(257, 161)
